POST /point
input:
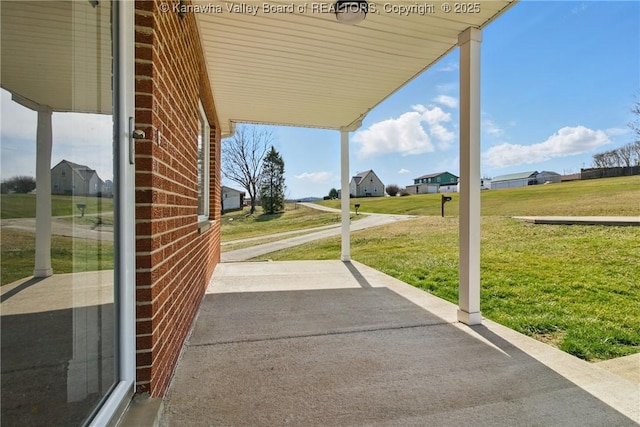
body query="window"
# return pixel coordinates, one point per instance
(203, 167)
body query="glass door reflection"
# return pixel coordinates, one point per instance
(58, 329)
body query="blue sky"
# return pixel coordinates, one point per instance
(558, 80)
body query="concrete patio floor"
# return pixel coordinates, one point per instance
(331, 343)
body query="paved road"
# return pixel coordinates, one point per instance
(371, 220)
(61, 227)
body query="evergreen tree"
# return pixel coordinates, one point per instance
(272, 187)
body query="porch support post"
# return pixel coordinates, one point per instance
(44, 136)
(344, 195)
(469, 295)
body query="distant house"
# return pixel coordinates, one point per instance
(442, 182)
(232, 199)
(545, 177)
(72, 179)
(485, 184)
(513, 180)
(366, 184)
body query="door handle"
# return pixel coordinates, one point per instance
(133, 135)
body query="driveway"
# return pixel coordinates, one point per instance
(62, 227)
(369, 221)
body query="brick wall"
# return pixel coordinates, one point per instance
(175, 257)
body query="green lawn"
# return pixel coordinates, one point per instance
(240, 224)
(17, 255)
(576, 287)
(24, 205)
(609, 196)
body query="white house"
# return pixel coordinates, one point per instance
(232, 199)
(366, 184)
(545, 177)
(424, 188)
(521, 179)
(74, 179)
(485, 184)
(441, 182)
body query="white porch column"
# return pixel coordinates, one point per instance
(344, 195)
(469, 298)
(44, 137)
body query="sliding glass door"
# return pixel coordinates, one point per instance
(63, 204)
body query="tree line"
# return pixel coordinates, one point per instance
(626, 156)
(18, 184)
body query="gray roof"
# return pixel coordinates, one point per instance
(231, 190)
(514, 176)
(433, 175)
(84, 171)
(358, 177)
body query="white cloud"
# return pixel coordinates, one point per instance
(406, 135)
(446, 100)
(617, 131)
(579, 8)
(567, 141)
(81, 138)
(403, 171)
(491, 128)
(452, 66)
(319, 177)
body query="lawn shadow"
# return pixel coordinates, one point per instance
(21, 287)
(362, 281)
(268, 217)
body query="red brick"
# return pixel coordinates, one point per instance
(174, 260)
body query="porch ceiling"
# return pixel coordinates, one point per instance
(306, 69)
(57, 54)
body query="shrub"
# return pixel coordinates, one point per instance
(392, 190)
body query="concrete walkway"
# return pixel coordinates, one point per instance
(61, 227)
(369, 221)
(327, 343)
(583, 220)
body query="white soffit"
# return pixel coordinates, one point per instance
(306, 69)
(57, 54)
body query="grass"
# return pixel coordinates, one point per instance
(575, 287)
(17, 255)
(24, 205)
(240, 224)
(233, 245)
(609, 196)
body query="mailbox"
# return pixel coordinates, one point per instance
(82, 207)
(357, 206)
(445, 199)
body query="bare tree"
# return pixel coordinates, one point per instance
(612, 158)
(636, 151)
(635, 124)
(598, 160)
(625, 153)
(242, 158)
